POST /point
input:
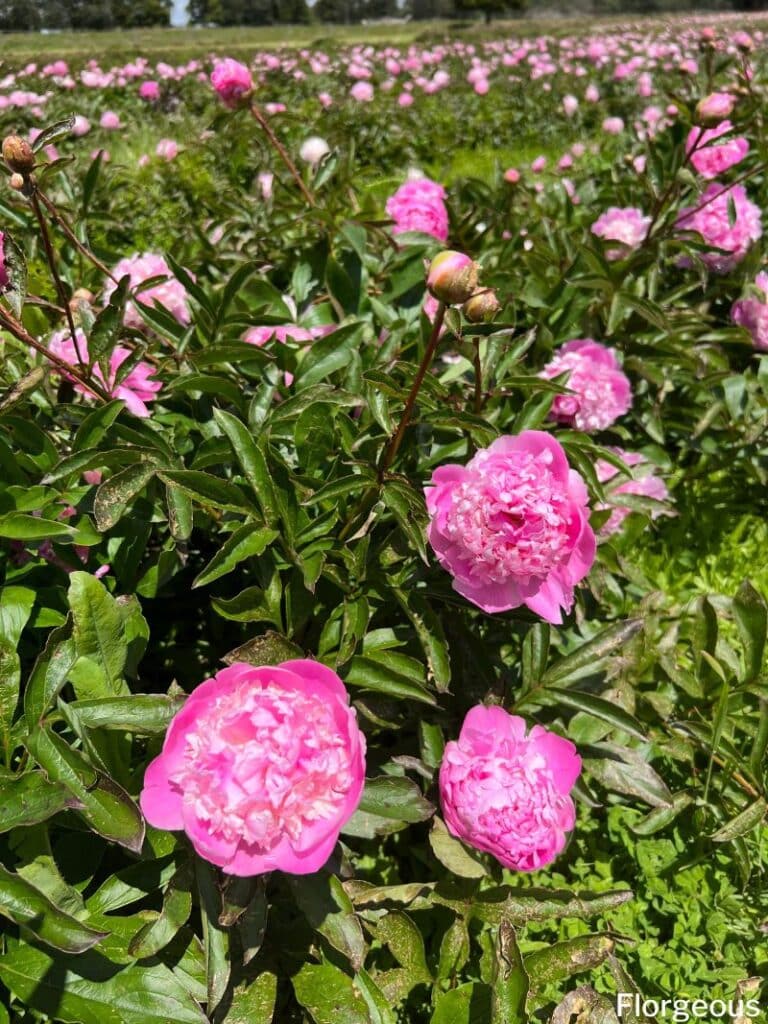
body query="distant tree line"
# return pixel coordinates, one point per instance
(33, 15)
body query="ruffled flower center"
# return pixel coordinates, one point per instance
(264, 764)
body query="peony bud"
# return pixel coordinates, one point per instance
(482, 306)
(16, 182)
(232, 81)
(452, 277)
(714, 108)
(18, 154)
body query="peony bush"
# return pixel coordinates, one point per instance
(383, 616)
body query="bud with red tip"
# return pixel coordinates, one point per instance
(18, 154)
(452, 277)
(482, 306)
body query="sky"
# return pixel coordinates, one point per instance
(179, 15)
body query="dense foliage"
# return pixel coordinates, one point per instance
(205, 363)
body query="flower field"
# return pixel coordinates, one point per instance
(384, 445)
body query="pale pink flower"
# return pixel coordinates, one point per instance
(613, 125)
(507, 792)
(362, 92)
(624, 224)
(711, 160)
(570, 105)
(752, 313)
(512, 526)
(167, 149)
(262, 767)
(110, 120)
(711, 218)
(314, 149)
(600, 391)
(325, 99)
(232, 81)
(715, 108)
(81, 126)
(642, 483)
(419, 205)
(538, 165)
(141, 267)
(265, 180)
(136, 389)
(404, 99)
(512, 175)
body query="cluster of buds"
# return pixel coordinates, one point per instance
(453, 279)
(20, 158)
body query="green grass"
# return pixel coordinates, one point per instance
(180, 44)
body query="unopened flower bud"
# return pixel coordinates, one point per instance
(17, 182)
(18, 154)
(452, 277)
(714, 108)
(482, 306)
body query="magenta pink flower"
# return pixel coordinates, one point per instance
(149, 90)
(601, 391)
(752, 313)
(419, 205)
(232, 81)
(506, 792)
(643, 483)
(626, 224)
(711, 160)
(261, 768)
(362, 92)
(711, 218)
(512, 526)
(136, 389)
(141, 267)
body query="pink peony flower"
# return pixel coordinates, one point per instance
(261, 335)
(110, 120)
(711, 160)
(232, 81)
(752, 314)
(362, 92)
(711, 218)
(512, 175)
(627, 225)
(512, 526)
(261, 768)
(418, 205)
(149, 90)
(167, 149)
(141, 267)
(506, 792)
(82, 125)
(135, 390)
(613, 126)
(314, 149)
(643, 483)
(601, 391)
(715, 108)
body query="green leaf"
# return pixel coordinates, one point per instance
(510, 979)
(177, 906)
(751, 614)
(141, 713)
(398, 931)
(591, 656)
(330, 996)
(252, 461)
(105, 806)
(53, 132)
(10, 681)
(30, 798)
(91, 989)
(371, 674)
(18, 526)
(96, 424)
(409, 512)
(50, 673)
(269, 649)
(564, 959)
(327, 355)
(254, 1001)
(388, 804)
(429, 629)
(633, 777)
(468, 1004)
(115, 495)
(246, 542)
(16, 605)
(207, 490)
(26, 906)
(452, 853)
(660, 817)
(597, 707)
(215, 938)
(329, 911)
(98, 632)
(535, 654)
(744, 822)
(16, 268)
